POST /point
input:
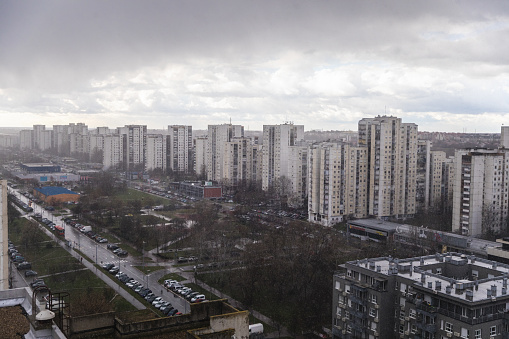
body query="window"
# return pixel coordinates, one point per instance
(493, 330)
(478, 334)
(374, 299)
(338, 286)
(412, 314)
(448, 327)
(372, 312)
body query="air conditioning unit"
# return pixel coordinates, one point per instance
(449, 334)
(344, 293)
(375, 334)
(343, 319)
(343, 331)
(376, 320)
(402, 322)
(407, 318)
(407, 332)
(377, 306)
(456, 334)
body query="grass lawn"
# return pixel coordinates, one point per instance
(62, 272)
(149, 269)
(173, 276)
(132, 194)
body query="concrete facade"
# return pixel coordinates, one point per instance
(180, 147)
(437, 296)
(392, 158)
(337, 182)
(480, 201)
(277, 140)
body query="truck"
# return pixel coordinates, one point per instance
(86, 229)
(256, 328)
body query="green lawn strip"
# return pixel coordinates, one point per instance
(173, 276)
(149, 269)
(63, 272)
(134, 294)
(132, 194)
(111, 237)
(197, 288)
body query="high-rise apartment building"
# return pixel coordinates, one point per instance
(277, 140)
(337, 182)
(200, 156)
(135, 143)
(61, 139)
(480, 203)
(26, 139)
(218, 136)
(447, 295)
(180, 148)
(113, 148)
(240, 161)
(298, 173)
(156, 152)
(392, 159)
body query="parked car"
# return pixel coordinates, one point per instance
(199, 297)
(30, 273)
(108, 267)
(114, 270)
(122, 253)
(25, 265)
(111, 247)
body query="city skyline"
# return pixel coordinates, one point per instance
(324, 65)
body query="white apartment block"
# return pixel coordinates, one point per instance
(337, 182)
(26, 139)
(61, 139)
(96, 145)
(155, 152)
(135, 142)
(180, 148)
(298, 173)
(218, 136)
(200, 155)
(480, 197)
(437, 179)
(79, 143)
(112, 151)
(392, 157)
(277, 140)
(37, 136)
(240, 161)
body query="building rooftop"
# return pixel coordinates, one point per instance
(465, 285)
(54, 190)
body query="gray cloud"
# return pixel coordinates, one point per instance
(316, 61)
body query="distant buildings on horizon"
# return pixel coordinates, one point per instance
(385, 170)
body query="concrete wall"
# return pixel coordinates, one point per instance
(93, 322)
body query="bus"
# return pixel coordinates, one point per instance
(59, 230)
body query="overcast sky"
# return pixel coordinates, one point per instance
(323, 64)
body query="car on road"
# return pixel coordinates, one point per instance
(108, 267)
(112, 247)
(25, 265)
(30, 273)
(114, 270)
(122, 253)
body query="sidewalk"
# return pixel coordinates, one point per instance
(88, 265)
